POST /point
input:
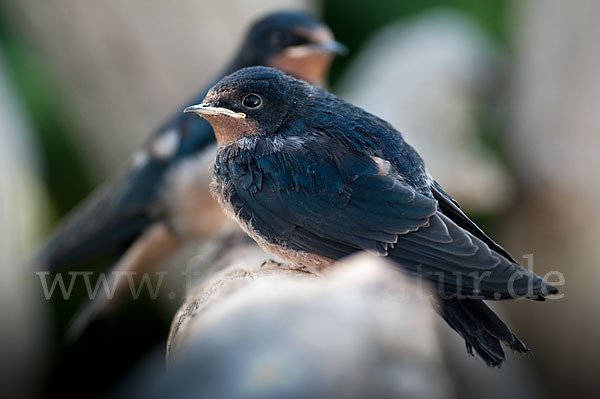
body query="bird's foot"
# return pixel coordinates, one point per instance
(271, 263)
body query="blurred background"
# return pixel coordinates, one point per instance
(500, 97)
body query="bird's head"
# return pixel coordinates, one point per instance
(294, 42)
(251, 101)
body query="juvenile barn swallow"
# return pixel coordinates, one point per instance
(161, 200)
(313, 179)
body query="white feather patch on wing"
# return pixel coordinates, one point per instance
(165, 145)
(383, 166)
(139, 159)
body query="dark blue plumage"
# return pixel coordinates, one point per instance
(316, 176)
(125, 207)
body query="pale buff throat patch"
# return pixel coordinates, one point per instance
(228, 130)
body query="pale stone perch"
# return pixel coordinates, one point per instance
(364, 328)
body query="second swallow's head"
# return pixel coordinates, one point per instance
(294, 42)
(251, 101)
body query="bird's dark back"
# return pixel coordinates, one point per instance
(323, 113)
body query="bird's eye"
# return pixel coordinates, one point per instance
(251, 101)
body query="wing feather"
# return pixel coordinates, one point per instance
(334, 204)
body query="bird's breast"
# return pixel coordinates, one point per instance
(223, 189)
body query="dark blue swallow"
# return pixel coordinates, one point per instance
(313, 179)
(161, 199)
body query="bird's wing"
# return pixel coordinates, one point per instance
(334, 201)
(450, 208)
(330, 204)
(107, 220)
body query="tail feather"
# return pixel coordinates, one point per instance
(481, 328)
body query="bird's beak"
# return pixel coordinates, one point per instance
(208, 110)
(329, 46)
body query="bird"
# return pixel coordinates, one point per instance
(160, 200)
(313, 179)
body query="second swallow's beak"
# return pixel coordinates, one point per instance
(208, 110)
(329, 46)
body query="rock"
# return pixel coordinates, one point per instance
(270, 331)
(554, 142)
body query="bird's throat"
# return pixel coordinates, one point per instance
(228, 130)
(311, 67)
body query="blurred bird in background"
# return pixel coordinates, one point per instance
(313, 179)
(161, 200)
